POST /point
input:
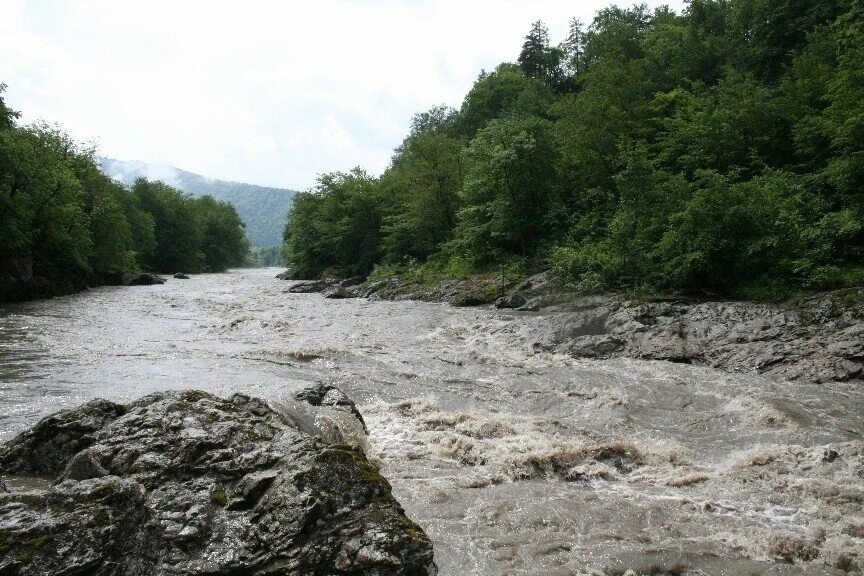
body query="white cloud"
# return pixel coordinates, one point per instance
(264, 92)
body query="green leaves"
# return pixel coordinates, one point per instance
(336, 227)
(75, 226)
(717, 151)
(510, 182)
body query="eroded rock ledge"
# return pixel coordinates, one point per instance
(190, 483)
(818, 338)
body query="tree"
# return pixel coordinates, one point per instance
(175, 224)
(336, 227)
(506, 91)
(7, 116)
(537, 59)
(423, 182)
(573, 48)
(509, 186)
(223, 240)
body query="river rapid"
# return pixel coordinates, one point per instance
(514, 462)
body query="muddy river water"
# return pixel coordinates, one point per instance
(514, 462)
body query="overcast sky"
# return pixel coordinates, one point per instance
(270, 93)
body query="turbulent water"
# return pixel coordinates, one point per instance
(513, 462)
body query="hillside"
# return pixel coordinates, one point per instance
(263, 209)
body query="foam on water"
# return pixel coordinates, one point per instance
(514, 462)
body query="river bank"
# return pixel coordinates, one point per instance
(817, 338)
(19, 283)
(511, 458)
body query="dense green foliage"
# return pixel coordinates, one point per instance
(65, 225)
(262, 209)
(264, 257)
(719, 151)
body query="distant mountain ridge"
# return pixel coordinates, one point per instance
(263, 209)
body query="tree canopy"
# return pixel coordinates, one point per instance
(716, 151)
(65, 225)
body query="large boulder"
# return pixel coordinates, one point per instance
(515, 300)
(190, 483)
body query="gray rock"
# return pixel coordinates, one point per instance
(353, 281)
(308, 286)
(516, 300)
(84, 466)
(46, 448)
(189, 483)
(339, 292)
(819, 339)
(532, 305)
(320, 394)
(181, 276)
(140, 279)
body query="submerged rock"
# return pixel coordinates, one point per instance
(189, 483)
(140, 279)
(181, 276)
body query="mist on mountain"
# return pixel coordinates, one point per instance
(263, 209)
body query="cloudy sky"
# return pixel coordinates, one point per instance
(270, 93)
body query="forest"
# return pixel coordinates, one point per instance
(719, 151)
(64, 225)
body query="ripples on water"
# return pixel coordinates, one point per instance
(514, 463)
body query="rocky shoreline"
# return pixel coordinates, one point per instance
(18, 283)
(190, 483)
(819, 338)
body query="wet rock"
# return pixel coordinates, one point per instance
(189, 483)
(820, 339)
(320, 394)
(511, 301)
(309, 286)
(83, 466)
(353, 281)
(181, 276)
(339, 292)
(532, 305)
(830, 455)
(140, 279)
(47, 447)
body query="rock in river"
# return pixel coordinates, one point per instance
(190, 483)
(140, 279)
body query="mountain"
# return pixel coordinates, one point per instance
(263, 209)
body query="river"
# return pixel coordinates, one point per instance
(514, 462)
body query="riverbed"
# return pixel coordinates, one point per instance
(513, 461)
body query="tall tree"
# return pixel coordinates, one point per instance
(537, 59)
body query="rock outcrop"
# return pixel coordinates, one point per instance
(189, 483)
(818, 339)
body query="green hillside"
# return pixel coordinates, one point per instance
(263, 209)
